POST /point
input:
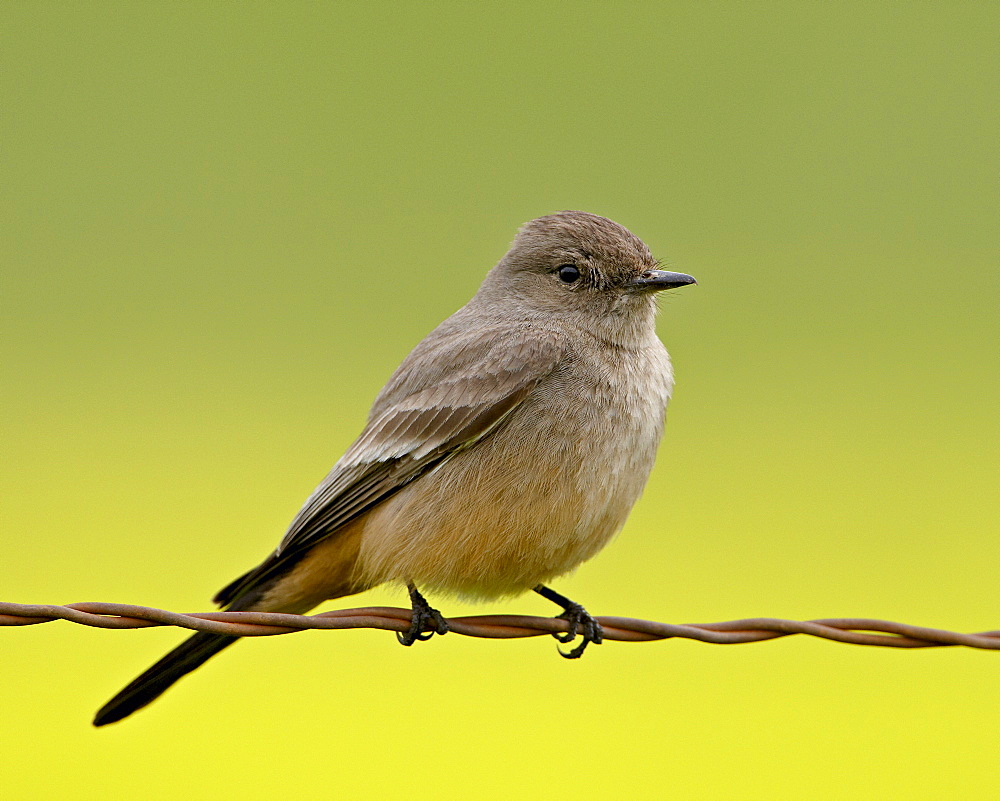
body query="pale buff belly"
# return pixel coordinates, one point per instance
(529, 503)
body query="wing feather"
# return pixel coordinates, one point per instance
(449, 393)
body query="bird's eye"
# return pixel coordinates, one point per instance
(568, 273)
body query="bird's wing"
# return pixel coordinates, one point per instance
(446, 396)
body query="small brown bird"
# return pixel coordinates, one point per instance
(505, 450)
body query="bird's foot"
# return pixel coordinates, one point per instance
(580, 622)
(583, 623)
(423, 615)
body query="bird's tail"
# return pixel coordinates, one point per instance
(191, 653)
(277, 585)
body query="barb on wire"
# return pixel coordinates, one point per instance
(859, 631)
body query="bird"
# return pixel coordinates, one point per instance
(506, 449)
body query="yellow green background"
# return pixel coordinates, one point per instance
(223, 225)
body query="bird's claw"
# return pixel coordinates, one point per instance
(423, 614)
(583, 623)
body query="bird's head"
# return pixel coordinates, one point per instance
(585, 269)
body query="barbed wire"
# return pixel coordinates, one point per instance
(857, 631)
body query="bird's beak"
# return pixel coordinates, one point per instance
(655, 280)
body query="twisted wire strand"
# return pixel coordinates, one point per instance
(858, 631)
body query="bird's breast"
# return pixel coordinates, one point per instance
(542, 493)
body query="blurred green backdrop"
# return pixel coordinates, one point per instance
(223, 226)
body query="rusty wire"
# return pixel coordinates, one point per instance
(859, 631)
